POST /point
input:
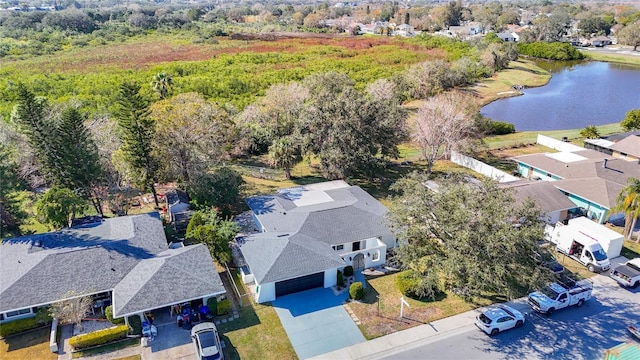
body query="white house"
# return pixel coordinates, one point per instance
(307, 233)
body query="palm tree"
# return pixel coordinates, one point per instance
(284, 154)
(162, 84)
(628, 201)
(590, 132)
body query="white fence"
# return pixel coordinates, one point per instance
(482, 168)
(557, 144)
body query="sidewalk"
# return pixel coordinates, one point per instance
(388, 344)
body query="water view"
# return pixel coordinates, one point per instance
(579, 94)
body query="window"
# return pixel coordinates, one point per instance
(376, 255)
(340, 247)
(18, 312)
(356, 246)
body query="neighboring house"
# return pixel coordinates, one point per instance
(600, 41)
(177, 202)
(374, 27)
(404, 30)
(307, 233)
(123, 261)
(623, 146)
(554, 205)
(590, 179)
(508, 36)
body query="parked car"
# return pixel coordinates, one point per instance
(206, 341)
(499, 318)
(635, 330)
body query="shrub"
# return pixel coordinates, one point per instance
(17, 326)
(502, 128)
(224, 307)
(415, 285)
(100, 337)
(356, 290)
(551, 51)
(108, 312)
(340, 281)
(135, 324)
(348, 271)
(43, 316)
(212, 303)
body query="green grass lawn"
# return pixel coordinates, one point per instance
(257, 334)
(28, 345)
(107, 348)
(420, 312)
(614, 58)
(630, 249)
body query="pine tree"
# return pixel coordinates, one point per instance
(79, 156)
(137, 132)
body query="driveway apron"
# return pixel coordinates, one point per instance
(316, 322)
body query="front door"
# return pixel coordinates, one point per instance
(358, 262)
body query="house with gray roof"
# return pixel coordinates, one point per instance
(625, 146)
(123, 260)
(306, 233)
(591, 179)
(555, 207)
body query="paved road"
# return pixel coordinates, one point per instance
(574, 333)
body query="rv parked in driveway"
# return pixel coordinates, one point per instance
(627, 274)
(556, 296)
(582, 242)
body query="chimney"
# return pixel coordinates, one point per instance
(604, 164)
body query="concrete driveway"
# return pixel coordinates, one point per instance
(316, 322)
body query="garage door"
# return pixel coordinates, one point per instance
(299, 284)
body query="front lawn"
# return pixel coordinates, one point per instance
(28, 345)
(419, 312)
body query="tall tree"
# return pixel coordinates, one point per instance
(628, 202)
(443, 123)
(219, 188)
(162, 83)
(476, 237)
(631, 120)
(192, 135)
(137, 131)
(79, 156)
(590, 132)
(208, 228)
(58, 206)
(347, 130)
(630, 35)
(284, 154)
(10, 213)
(32, 116)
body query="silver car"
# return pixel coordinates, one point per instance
(207, 342)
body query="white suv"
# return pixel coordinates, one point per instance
(499, 318)
(207, 342)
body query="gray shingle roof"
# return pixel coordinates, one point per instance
(302, 223)
(544, 193)
(173, 276)
(277, 256)
(573, 170)
(629, 145)
(42, 269)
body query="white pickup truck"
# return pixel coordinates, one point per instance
(627, 274)
(556, 296)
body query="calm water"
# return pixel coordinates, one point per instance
(578, 95)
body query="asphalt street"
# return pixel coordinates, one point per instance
(573, 333)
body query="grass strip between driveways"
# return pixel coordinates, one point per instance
(257, 334)
(107, 348)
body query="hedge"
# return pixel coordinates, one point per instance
(108, 312)
(136, 324)
(407, 282)
(17, 326)
(224, 307)
(356, 290)
(212, 303)
(99, 337)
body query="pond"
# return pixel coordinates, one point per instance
(579, 94)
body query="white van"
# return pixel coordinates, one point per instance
(581, 248)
